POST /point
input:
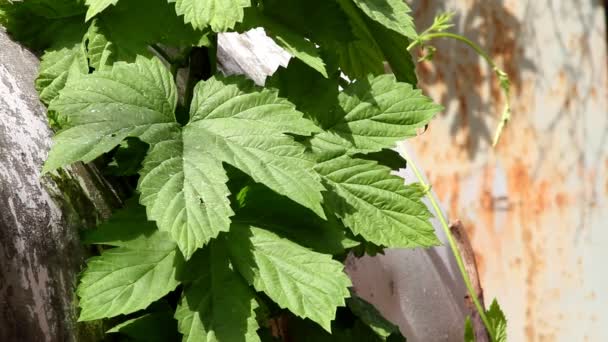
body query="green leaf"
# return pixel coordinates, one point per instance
(184, 189)
(97, 6)
(374, 44)
(372, 317)
(99, 49)
(321, 21)
(313, 94)
(498, 322)
(59, 64)
(221, 15)
(104, 108)
(375, 114)
(393, 14)
(309, 284)
(130, 277)
(231, 121)
(376, 204)
(128, 158)
(291, 41)
(260, 205)
(218, 305)
(394, 48)
(118, 35)
(42, 24)
(361, 56)
(128, 227)
(469, 334)
(152, 327)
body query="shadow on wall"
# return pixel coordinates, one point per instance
(464, 81)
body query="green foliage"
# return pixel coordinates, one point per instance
(497, 324)
(249, 197)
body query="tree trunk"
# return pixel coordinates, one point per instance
(40, 253)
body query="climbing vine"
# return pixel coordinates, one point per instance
(244, 200)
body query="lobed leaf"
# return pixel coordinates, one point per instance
(183, 182)
(220, 15)
(129, 278)
(97, 6)
(57, 66)
(104, 108)
(376, 204)
(375, 113)
(309, 284)
(393, 14)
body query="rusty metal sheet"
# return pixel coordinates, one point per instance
(536, 206)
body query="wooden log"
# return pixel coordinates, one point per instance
(40, 253)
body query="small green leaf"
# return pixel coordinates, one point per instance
(221, 15)
(372, 317)
(309, 284)
(57, 66)
(376, 204)
(218, 305)
(469, 334)
(103, 108)
(498, 322)
(97, 6)
(152, 327)
(129, 278)
(99, 49)
(393, 14)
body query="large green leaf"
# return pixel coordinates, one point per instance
(309, 284)
(97, 6)
(374, 114)
(231, 121)
(218, 305)
(376, 204)
(103, 108)
(393, 14)
(221, 15)
(118, 35)
(41, 24)
(130, 277)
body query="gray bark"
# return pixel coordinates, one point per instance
(40, 253)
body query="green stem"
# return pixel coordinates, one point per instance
(452, 242)
(502, 76)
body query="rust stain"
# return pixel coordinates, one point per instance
(524, 243)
